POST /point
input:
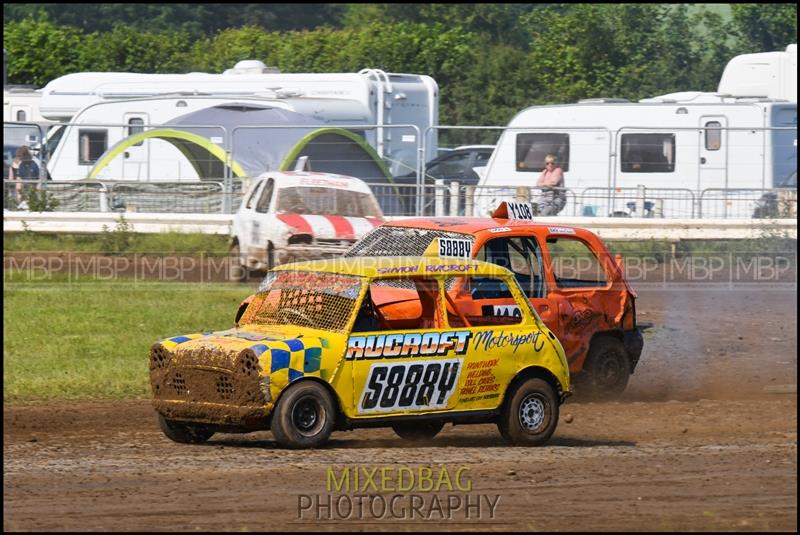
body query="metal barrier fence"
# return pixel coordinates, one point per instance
(637, 202)
(748, 203)
(94, 196)
(439, 199)
(174, 197)
(67, 196)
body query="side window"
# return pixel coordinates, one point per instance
(135, 126)
(394, 304)
(482, 156)
(53, 138)
(574, 265)
(713, 135)
(91, 145)
(263, 202)
(480, 302)
(253, 195)
(450, 166)
(522, 256)
(532, 149)
(648, 153)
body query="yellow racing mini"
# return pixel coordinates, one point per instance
(410, 343)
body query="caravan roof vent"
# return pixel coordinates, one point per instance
(603, 100)
(251, 66)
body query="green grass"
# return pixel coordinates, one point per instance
(90, 340)
(663, 250)
(117, 241)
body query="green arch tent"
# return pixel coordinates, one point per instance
(261, 138)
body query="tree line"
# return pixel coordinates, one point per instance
(490, 60)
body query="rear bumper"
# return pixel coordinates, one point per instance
(224, 415)
(633, 342)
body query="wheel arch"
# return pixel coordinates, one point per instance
(532, 372)
(611, 333)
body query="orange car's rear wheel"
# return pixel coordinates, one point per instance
(606, 371)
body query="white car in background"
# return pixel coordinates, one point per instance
(299, 215)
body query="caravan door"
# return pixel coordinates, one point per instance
(713, 157)
(135, 158)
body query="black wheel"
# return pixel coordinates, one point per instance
(238, 270)
(304, 416)
(606, 370)
(530, 415)
(416, 432)
(184, 433)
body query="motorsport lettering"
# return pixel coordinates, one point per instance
(489, 340)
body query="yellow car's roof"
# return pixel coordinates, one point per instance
(399, 266)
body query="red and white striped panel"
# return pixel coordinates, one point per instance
(330, 226)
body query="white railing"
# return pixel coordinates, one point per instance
(606, 228)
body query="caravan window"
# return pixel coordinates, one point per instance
(713, 135)
(91, 145)
(532, 148)
(135, 126)
(648, 153)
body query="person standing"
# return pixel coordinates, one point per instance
(22, 168)
(551, 181)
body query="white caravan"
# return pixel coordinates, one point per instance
(21, 104)
(22, 122)
(736, 138)
(104, 108)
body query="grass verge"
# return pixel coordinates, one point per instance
(90, 340)
(119, 240)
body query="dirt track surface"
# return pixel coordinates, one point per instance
(705, 438)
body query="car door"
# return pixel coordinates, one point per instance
(499, 343)
(260, 227)
(523, 256)
(581, 291)
(404, 359)
(242, 226)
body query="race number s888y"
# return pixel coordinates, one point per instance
(405, 386)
